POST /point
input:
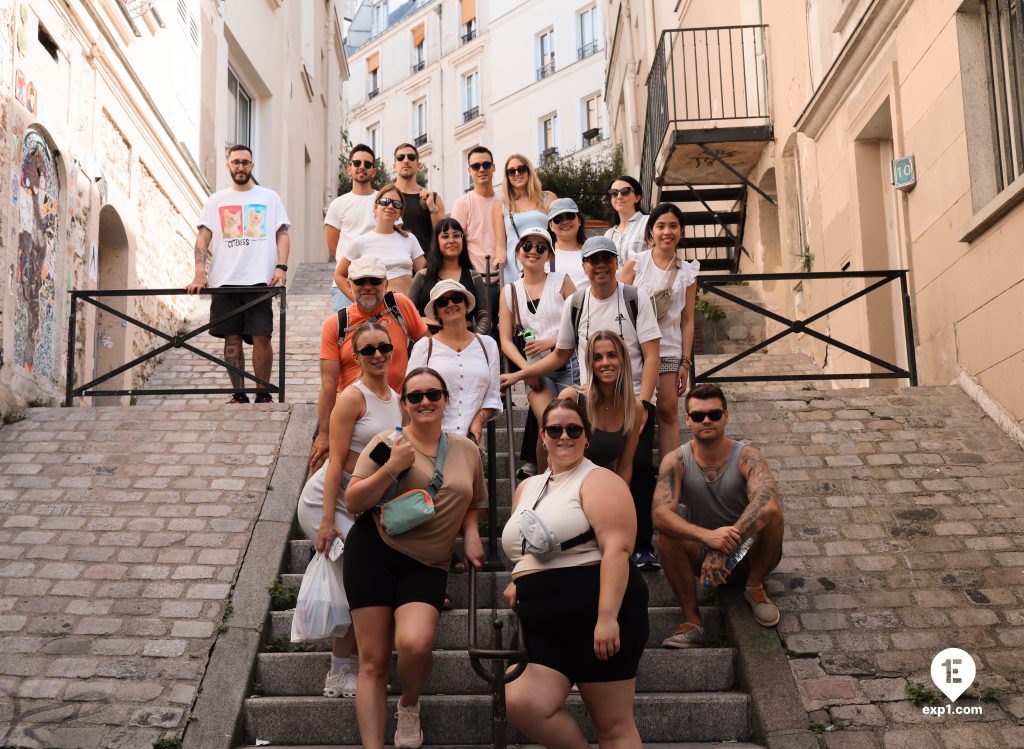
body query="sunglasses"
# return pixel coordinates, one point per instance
(563, 217)
(416, 396)
(370, 350)
(390, 202)
(240, 162)
(404, 156)
(537, 249)
(360, 164)
(601, 257)
(624, 192)
(457, 298)
(364, 281)
(714, 414)
(512, 171)
(485, 165)
(445, 236)
(554, 431)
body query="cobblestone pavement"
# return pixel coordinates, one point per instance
(904, 536)
(121, 533)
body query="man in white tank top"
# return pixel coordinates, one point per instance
(713, 495)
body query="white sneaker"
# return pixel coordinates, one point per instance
(408, 735)
(343, 683)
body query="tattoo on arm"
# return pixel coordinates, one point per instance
(761, 489)
(669, 486)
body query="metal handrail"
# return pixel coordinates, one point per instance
(180, 340)
(493, 561)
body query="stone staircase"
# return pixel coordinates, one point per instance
(682, 696)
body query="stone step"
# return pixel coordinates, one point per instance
(686, 745)
(490, 586)
(453, 629)
(466, 719)
(697, 670)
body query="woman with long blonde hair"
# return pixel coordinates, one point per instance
(522, 196)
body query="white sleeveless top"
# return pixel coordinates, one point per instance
(651, 279)
(545, 321)
(562, 509)
(380, 416)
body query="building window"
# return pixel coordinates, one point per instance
(1004, 39)
(468, 26)
(548, 138)
(419, 122)
(545, 54)
(373, 138)
(373, 75)
(419, 48)
(593, 119)
(239, 112)
(470, 96)
(586, 32)
(378, 18)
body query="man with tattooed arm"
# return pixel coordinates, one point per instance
(713, 494)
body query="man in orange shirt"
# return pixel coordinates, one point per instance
(338, 367)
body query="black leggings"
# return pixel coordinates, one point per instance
(645, 477)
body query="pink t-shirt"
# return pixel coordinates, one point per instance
(473, 211)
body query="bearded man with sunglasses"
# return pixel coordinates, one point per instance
(473, 210)
(422, 208)
(351, 214)
(713, 495)
(338, 365)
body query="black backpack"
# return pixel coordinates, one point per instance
(629, 296)
(390, 308)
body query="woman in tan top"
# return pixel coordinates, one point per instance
(395, 584)
(584, 609)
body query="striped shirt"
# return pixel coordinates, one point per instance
(631, 241)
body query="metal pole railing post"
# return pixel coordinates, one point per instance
(493, 561)
(499, 710)
(908, 329)
(281, 346)
(69, 386)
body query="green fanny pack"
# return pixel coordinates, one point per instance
(413, 508)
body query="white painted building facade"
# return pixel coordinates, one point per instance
(519, 76)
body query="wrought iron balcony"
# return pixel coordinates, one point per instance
(548, 155)
(591, 136)
(418, 65)
(586, 50)
(470, 114)
(545, 70)
(372, 93)
(420, 140)
(468, 34)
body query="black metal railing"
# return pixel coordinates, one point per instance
(493, 561)
(419, 140)
(177, 340)
(548, 155)
(470, 114)
(702, 76)
(877, 279)
(372, 93)
(418, 65)
(588, 49)
(545, 70)
(468, 35)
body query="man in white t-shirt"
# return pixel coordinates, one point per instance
(351, 214)
(622, 309)
(243, 234)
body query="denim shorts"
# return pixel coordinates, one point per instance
(567, 376)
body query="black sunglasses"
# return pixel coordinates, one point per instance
(485, 165)
(393, 202)
(404, 156)
(514, 170)
(714, 414)
(370, 350)
(624, 192)
(360, 163)
(457, 298)
(537, 249)
(416, 396)
(600, 257)
(554, 431)
(562, 217)
(369, 280)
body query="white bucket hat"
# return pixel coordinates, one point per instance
(447, 286)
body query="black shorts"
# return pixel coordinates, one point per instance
(377, 575)
(257, 320)
(558, 609)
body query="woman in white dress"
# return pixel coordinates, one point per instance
(466, 360)
(671, 283)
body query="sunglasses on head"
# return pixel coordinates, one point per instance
(457, 298)
(538, 248)
(369, 280)
(485, 165)
(390, 202)
(514, 170)
(445, 236)
(554, 431)
(361, 163)
(404, 156)
(562, 217)
(370, 350)
(240, 162)
(715, 414)
(624, 192)
(416, 396)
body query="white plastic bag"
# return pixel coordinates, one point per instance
(322, 607)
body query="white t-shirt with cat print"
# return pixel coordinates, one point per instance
(244, 224)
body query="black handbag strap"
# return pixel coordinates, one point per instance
(442, 453)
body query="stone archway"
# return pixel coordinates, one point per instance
(111, 332)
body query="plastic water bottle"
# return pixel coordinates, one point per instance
(528, 336)
(735, 558)
(392, 439)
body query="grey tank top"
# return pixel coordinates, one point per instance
(713, 504)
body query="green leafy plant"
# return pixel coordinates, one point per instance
(282, 598)
(921, 695)
(167, 744)
(709, 310)
(13, 417)
(41, 403)
(584, 179)
(806, 259)
(283, 644)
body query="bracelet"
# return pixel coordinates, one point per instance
(389, 473)
(281, 266)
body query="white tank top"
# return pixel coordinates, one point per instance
(545, 321)
(562, 509)
(380, 416)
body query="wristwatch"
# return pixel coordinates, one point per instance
(282, 266)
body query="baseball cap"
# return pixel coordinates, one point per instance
(367, 266)
(533, 224)
(562, 205)
(594, 245)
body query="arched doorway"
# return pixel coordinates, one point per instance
(36, 325)
(111, 331)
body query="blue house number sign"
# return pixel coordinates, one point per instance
(904, 176)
